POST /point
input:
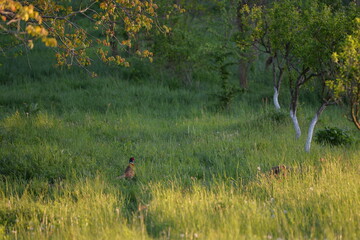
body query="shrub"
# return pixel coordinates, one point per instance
(332, 136)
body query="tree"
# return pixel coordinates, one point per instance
(278, 32)
(58, 25)
(13, 14)
(347, 81)
(242, 23)
(299, 38)
(265, 29)
(328, 26)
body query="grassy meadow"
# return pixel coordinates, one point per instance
(201, 173)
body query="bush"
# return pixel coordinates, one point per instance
(332, 136)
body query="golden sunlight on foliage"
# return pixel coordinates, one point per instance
(348, 79)
(13, 13)
(116, 22)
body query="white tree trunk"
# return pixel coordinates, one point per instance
(312, 126)
(311, 132)
(296, 124)
(276, 99)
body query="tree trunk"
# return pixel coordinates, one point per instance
(243, 73)
(277, 78)
(296, 124)
(276, 99)
(354, 114)
(293, 109)
(113, 41)
(312, 126)
(295, 92)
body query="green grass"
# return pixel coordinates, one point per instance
(64, 138)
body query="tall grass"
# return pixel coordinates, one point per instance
(65, 137)
(308, 205)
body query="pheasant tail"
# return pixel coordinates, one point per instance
(120, 177)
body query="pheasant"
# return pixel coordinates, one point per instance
(129, 171)
(280, 171)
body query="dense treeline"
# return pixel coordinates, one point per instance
(191, 41)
